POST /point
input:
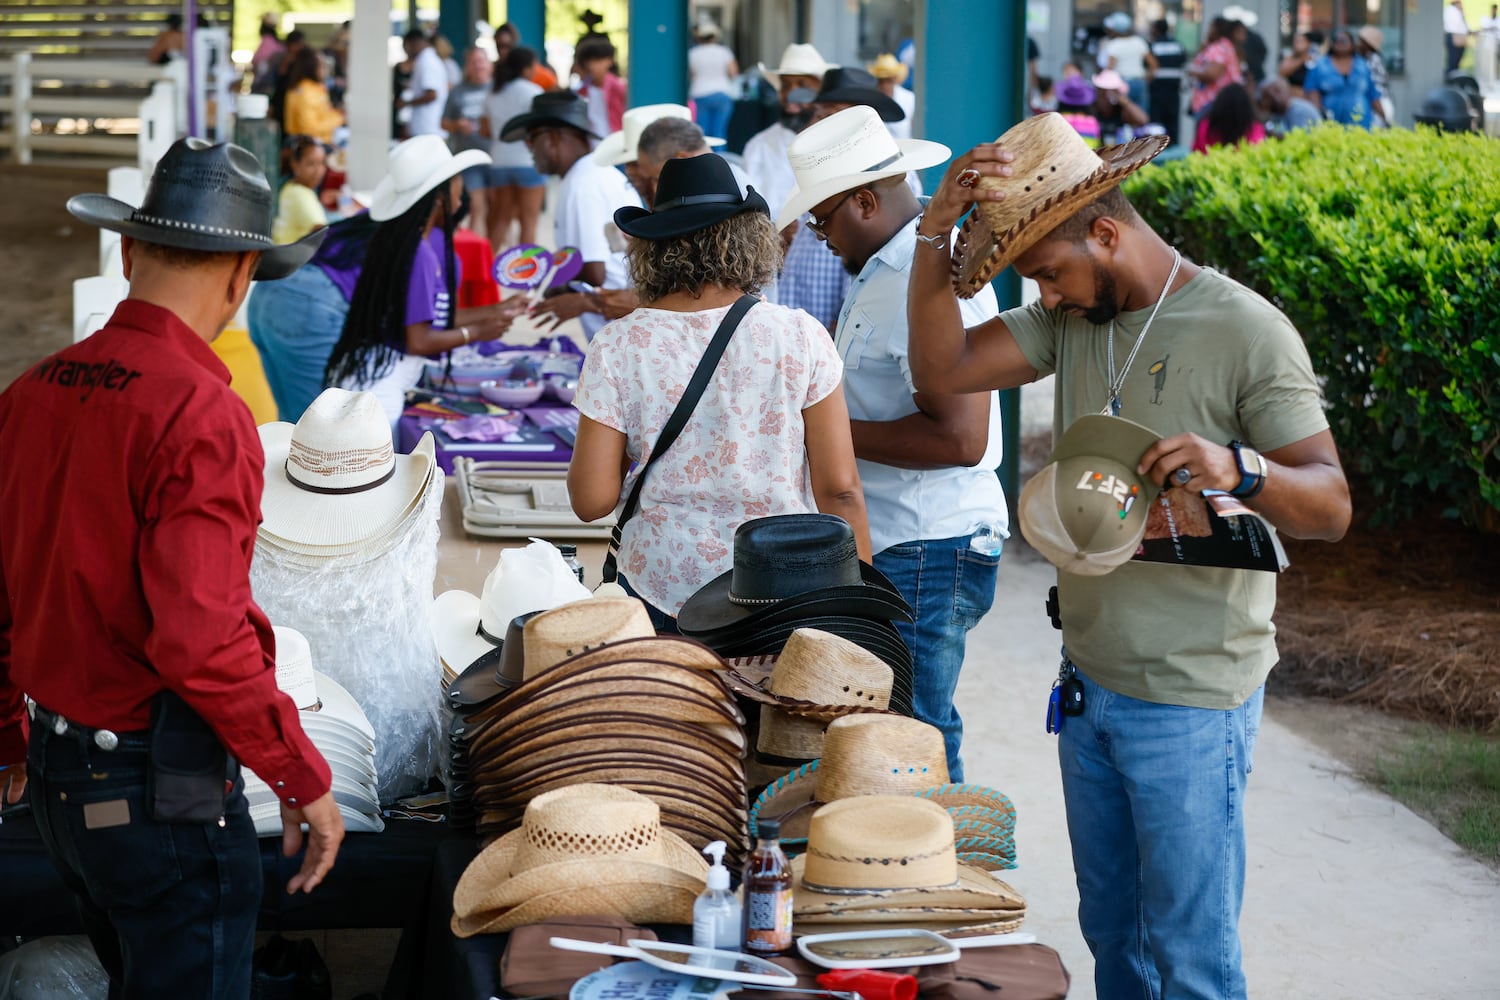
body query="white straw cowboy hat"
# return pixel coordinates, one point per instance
(415, 167)
(334, 479)
(577, 846)
(819, 667)
(797, 59)
(890, 755)
(1053, 175)
(623, 146)
(890, 853)
(849, 149)
(294, 667)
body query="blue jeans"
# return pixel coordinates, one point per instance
(294, 325)
(664, 623)
(713, 114)
(1155, 798)
(170, 907)
(949, 587)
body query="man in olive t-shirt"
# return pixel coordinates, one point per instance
(1172, 658)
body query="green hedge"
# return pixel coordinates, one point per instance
(1384, 249)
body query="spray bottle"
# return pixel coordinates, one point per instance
(716, 913)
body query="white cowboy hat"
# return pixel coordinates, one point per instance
(415, 167)
(621, 147)
(846, 150)
(1244, 15)
(334, 479)
(467, 628)
(797, 60)
(294, 669)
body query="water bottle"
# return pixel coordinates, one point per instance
(987, 539)
(570, 556)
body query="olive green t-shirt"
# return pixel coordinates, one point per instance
(1221, 362)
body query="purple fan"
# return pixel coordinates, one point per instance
(522, 267)
(567, 264)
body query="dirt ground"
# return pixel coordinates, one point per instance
(43, 249)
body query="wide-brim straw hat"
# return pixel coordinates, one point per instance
(819, 668)
(624, 146)
(887, 67)
(571, 842)
(333, 480)
(797, 59)
(887, 853)
(566, 631)
(210, 197)
(867, 755)
(293, 552)
(415, 167)
(1053, 175)
(850, 149)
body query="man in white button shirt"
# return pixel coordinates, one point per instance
(556, 130)
(926, 461)
(428, 91)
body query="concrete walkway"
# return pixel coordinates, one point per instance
(1349, 895)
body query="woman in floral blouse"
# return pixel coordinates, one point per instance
(770, 434)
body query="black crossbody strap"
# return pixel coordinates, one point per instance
(677, 421)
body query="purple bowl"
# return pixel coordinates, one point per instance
(561, 387)
(512, 394)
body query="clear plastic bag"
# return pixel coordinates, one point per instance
(53, 968)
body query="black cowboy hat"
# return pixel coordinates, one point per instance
(552, 108)
(852, 85)
(788, 561)
(692, 193)
(204, 196)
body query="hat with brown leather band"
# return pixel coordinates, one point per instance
(814, 667)
(1053, 175)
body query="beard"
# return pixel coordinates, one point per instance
(1106, 298)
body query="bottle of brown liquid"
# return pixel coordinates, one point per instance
(768, 894)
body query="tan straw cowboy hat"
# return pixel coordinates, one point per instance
(580, 626)
(867, 755)
(1054, 174)
(585, 849)
(824, 669)
(889, 853)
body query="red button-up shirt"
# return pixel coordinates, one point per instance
(130, 484)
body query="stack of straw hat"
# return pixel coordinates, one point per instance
(602, 698)
(335, 487)
(801, 571)
(881, 861)
(865, 755)
(337, 726)
(584, 849)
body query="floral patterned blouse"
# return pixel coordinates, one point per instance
(741, 456)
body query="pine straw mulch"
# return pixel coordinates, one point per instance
(1405, 619)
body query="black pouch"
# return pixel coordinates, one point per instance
(189, 766)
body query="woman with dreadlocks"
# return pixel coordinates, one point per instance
(379, 295)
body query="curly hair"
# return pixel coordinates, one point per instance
(741, 252)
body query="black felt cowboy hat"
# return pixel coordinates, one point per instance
(204, 196)
(852, 85)
(693, 193)
(789, 560)
(550, 109)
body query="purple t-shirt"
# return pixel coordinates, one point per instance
(426, 296)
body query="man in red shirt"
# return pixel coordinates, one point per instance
(129, 497)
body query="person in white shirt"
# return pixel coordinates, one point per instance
(1128, 54)
(890, 76)
(712, 68)
(926, 461)
(516, 188)
(1455, 33)
(556, 130)
(428, 90)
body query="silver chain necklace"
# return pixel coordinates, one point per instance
(1117, 382)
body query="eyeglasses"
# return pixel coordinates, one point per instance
(819, 229)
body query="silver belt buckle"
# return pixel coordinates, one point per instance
(105, 740)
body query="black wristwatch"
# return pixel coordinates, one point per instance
(1252, 466)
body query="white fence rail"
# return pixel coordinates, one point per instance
(161, 115)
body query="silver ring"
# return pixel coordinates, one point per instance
(967, 178)
(1182, 475)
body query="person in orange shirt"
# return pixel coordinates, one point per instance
(309, 111)
(508, 38)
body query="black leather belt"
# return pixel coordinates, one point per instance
(104, 739)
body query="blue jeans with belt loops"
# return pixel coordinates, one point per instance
(1155, 798)
(170, 907)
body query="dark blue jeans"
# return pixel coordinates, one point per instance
(169, 907)
(950, 587)
(664, 623)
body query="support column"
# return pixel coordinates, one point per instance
(370, 78)
(456, 23)
(968, 94)
(658, 52)
(529, 17)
